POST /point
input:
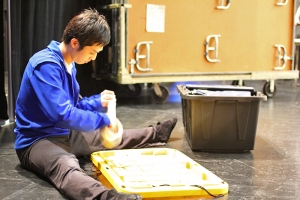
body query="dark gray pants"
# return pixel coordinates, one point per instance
(55, 159)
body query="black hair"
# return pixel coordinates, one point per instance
(89, 28)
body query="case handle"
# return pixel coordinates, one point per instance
(212, 48)
(223, 6)
(282, 2)
(281, 56)
(136, 62)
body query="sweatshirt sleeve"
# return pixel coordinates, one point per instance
(92, 103)
(49, 84)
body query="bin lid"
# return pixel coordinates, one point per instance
(212, 92)
(157, 172)
(219, 87)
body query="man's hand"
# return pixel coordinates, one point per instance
(114, 127)
(106, 96)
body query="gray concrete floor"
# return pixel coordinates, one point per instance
(270, 171)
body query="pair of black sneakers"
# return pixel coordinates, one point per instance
(115, 195)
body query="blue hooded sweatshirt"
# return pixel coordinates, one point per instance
(48, 101)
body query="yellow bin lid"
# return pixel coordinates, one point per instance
(157, 172)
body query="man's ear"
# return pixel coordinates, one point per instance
(75, 43)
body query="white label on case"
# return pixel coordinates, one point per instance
(155, 19)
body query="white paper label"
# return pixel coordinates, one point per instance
(155, 19)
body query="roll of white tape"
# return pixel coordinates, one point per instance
(111, 111)
(108, 138)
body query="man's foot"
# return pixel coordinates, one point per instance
(114, 195)
(165, 128)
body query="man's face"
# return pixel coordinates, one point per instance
(87, 54)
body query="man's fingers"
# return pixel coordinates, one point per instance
(108, 92)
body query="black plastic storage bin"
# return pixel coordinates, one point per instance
(224, 123)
